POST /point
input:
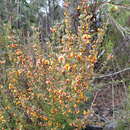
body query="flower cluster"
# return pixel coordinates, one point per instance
(48, 92)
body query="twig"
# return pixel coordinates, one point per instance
(118, 26)
(94, 100)
(112, 74)
(113, 101)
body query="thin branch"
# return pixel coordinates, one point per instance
(112, 74)
(127, 7)
(94, 100)
(118, 26)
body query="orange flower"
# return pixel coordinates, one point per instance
(53, 110)
(13, 80)
(61, 59)
(79, 57)
(2, 62)
(66, 4)
(48, 82)
(18, 52)
(110, 56)
(13, 45)
(92, 59)
(52, 30)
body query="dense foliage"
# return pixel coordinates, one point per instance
(50, 68)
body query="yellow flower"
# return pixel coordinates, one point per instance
(86, 37)
(18, 102)
(81, 95)
(2, 120)
(114, 9)
(74, 66)
(11, 86)
(78, 8)
(66, 21)
(49, 123)
(46, 62)
(86, 113)
(69, 111)
(34, 45)
(44, 118)
(1, 86)
(67, 67)
(19, 71)
(13, 80)
(94, 46)
(34, 114)
(71, 55)
(7, 108)
(75, 105)
(78, 77)
(14, 90)
(77, 111)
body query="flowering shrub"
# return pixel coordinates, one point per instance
(48, 92)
